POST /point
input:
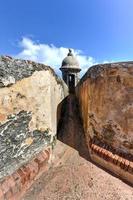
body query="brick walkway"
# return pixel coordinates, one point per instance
(73, 176)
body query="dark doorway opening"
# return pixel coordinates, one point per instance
(71, 83)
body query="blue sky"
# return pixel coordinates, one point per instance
(101, 29)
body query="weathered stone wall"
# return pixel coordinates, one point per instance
(29, 96)
(105, 95)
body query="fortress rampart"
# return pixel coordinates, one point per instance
(105, 96)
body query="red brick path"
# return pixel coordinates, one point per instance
(13, 187)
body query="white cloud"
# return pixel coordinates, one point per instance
(51, 55)
(107, 61)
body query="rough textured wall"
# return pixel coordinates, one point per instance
(106, 98)
(29, 96)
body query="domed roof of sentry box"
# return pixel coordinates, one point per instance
(70, 62)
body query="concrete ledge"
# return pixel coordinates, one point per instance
(116, 164)
(13, 187)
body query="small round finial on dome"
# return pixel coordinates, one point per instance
(70, 53)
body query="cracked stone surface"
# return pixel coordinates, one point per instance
(18, 144)
(12, 70)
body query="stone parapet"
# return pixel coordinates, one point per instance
(30, 93)
(105, 95)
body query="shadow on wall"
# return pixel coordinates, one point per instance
(70, 129)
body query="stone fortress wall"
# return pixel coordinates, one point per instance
(105, 95)
(29, 95)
